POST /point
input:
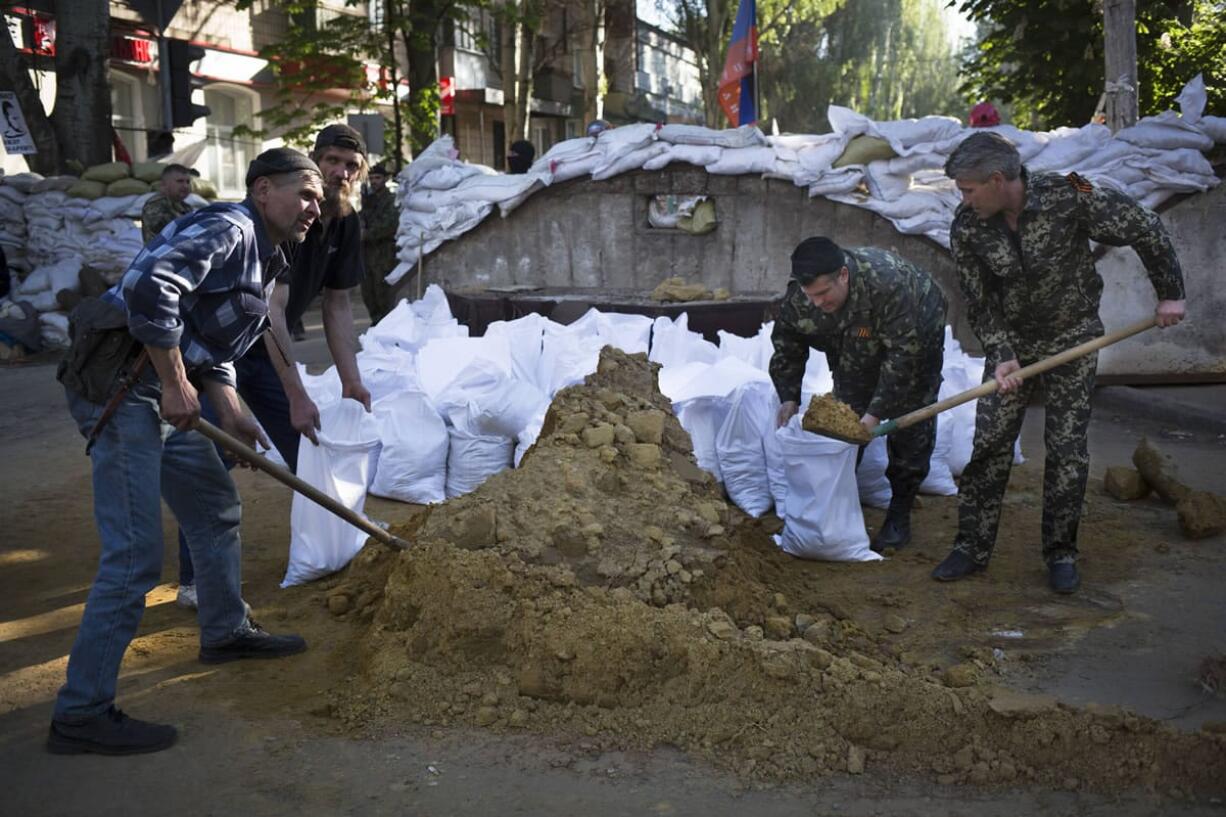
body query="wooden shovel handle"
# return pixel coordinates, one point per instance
(984, 389)
(240, 449)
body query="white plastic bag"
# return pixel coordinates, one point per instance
(874, 488)
(739, 447)
(702, 418)
(822, 517)
(340, 466)
(473, 459)
(413, 459)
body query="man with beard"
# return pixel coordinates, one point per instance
(327, 261)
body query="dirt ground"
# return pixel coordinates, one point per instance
(291, 737)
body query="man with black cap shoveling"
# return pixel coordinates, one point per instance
(328, 261)
(196, 299)
(881, 322)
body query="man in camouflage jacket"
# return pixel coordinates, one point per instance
(169, 203)
(380, 218)
(1021, 242)
(881, 322)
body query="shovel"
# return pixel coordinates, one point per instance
(984, 389)
(240, 449)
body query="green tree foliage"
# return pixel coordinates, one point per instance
(1045, 57)
(887, 59)
(320, 65)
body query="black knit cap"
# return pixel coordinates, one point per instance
(340, 136)
(815, 257)
(277, 161)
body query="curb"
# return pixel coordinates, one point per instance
(1138, 403)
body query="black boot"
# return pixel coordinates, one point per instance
(896, 529)
(111, 733)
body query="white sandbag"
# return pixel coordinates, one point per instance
(718, 379)
(323, 389)
(524, 335)
(700, 155)
(54, 329)
(566, 359)
(739, 448)
(1068, 146)
(940, 480)
(628, 332)
(486, 400)
(1214, 127)
(1192, 99)
(743, 137)
(843, 180)
(528, 436)
(388, 372)
(822, 517)
(340, 466)
(871, 482)
(817, 378)
(633, 160)
(673, 343)
(908, 136)
(413, 459)
(756, 351)
(472, 459)
(734, 162)
(702, 418)
(1166, 131)
(776, 469)
(441, 359)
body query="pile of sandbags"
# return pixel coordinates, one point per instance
(894, 169)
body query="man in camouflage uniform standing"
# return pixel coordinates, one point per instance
(881, 322)
(380, 218)
(170, 203)
(1021, 242)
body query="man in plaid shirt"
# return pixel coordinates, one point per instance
(197, 298)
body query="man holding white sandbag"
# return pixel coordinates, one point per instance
(880, 320)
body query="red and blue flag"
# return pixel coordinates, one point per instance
(736, 84)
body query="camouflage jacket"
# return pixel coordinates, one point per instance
(380, 218)
(158, 212)
(884, 346)
(1036, 291)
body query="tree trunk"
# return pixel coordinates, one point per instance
(715, 49)
(421, 49)
(82, 115)
(592, 59)
(1120, 35)
(523, 81)
(511, 35)
(14, 74)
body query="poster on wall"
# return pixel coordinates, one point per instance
(13, 128)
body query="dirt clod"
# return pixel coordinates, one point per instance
(1125, 483)
(826, 415)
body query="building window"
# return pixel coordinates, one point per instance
(226, 155)
(128, 113)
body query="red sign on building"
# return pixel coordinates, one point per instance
(446, 96)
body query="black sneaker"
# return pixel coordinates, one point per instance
(252, 641)
(111, 733)
(895, 533)
(957, 565)
(1063, 577)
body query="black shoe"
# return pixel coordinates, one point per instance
(1063, 577)
(111, 733)
(957, 565)
(252, 641)
(895, 533)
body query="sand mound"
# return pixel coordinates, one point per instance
(605, 588)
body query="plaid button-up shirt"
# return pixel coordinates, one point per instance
(202, 284)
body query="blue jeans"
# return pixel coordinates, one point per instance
(263, 393)
(135, 444)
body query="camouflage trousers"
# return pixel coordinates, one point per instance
(998, 421)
